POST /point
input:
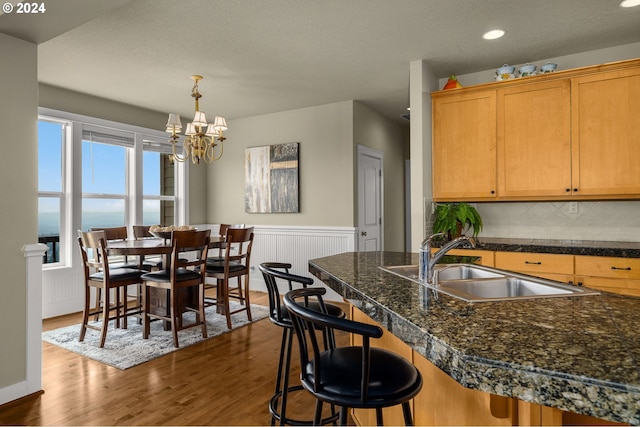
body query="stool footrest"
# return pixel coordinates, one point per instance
(273, 405)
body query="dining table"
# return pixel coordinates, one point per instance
(160, 301)
(151, 246)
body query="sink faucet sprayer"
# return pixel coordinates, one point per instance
(427, 261)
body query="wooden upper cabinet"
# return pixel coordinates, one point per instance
(464, 146)
(572, 134)
(534, 140)
(606, 133)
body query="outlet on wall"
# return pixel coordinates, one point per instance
(573, 207)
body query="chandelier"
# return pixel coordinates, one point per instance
(197, 144)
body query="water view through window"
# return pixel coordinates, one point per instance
(106, 174)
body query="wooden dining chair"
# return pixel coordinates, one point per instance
(119, 234)
(236, 263)
(218, 259)
(223, 235)
(99, 275)
(146, 263)
(180, 274)
(114, 234)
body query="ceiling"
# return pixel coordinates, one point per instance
(264, 56)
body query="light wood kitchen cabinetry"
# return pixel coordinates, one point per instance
(392, 415)
(548, 266)
(534, 139)
(445, 402)
(606, 135)
(565, 135)
(442, 400)
(464, 127)
(611, 274)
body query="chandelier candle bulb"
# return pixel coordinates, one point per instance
(197, 144)
(191, 129)
(174, 123)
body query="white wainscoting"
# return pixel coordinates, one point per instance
(62, 288)
(297, 245)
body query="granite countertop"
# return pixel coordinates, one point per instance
(577, 354)
(568, 247)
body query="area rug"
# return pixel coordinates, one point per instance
(125, 348)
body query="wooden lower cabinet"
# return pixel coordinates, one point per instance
(611, 274)
(616, 286)
(444, 402)
(548, 266)
(388, 341)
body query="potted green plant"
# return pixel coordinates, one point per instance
(452, 218)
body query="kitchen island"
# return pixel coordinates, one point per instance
(575, 354)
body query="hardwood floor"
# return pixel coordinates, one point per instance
(226, 380)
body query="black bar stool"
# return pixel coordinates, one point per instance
(279, 316)
(352, 376)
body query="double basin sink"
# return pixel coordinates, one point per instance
(475, 283)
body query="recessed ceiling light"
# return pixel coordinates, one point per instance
(629, 3)
(493, 34)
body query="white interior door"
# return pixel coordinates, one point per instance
(370, 199)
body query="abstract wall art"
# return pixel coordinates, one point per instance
(271, 175)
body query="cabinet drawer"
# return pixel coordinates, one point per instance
(534, 262)
(613, 267)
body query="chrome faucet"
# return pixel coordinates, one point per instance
(427, 261)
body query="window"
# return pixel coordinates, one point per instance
(104, 178)
(115, 175)
(158, 183)
(51, 145)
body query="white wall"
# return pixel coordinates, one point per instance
(595, 220)
(18, 216)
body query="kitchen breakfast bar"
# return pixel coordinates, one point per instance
(532, 360)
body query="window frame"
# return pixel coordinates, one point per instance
(161, 146)
(71, 207)
(63, 195)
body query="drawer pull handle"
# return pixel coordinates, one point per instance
(536, 262)
(621, 268)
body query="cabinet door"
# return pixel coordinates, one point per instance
(391, 415)
(464, 146)
(616, 286)
(534, 140)
(606, 135)
(452, 404)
